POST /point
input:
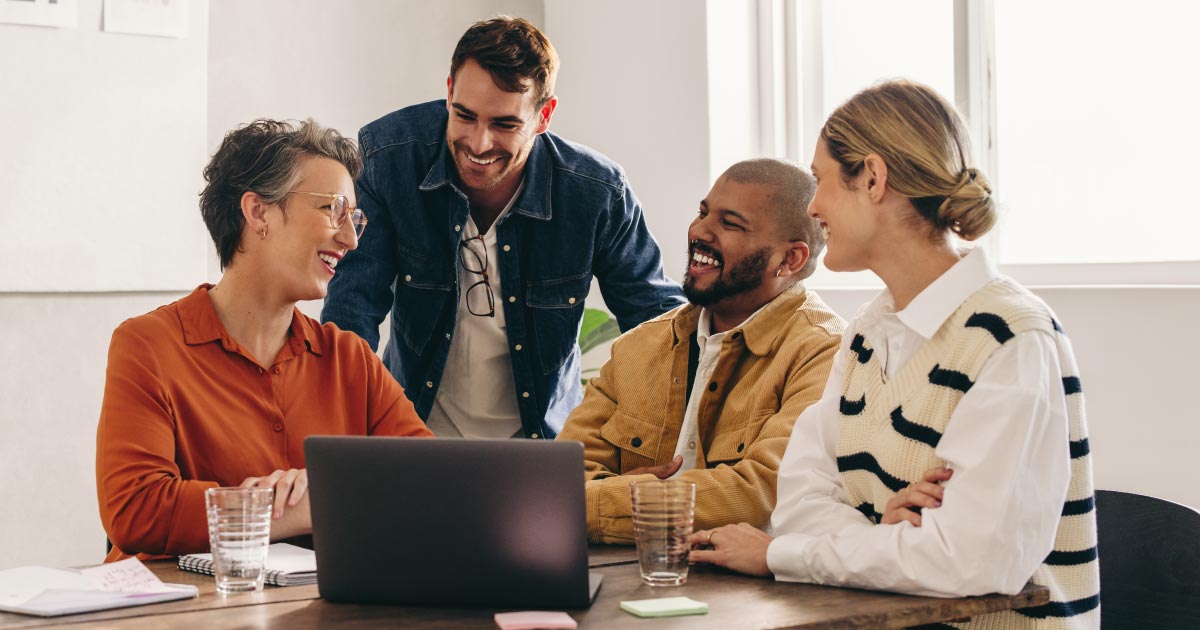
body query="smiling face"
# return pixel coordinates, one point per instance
(491, 131)
(733, 246)
(302, 249)
(844, 212)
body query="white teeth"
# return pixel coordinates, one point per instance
(825, 232)
(329, 260)
(482, 162)
(701, 258)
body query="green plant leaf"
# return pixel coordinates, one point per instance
(597, 328)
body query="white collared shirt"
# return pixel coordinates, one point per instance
(1005, 442)
(478, 394)
(710, 350)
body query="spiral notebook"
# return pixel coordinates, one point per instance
(287, 565)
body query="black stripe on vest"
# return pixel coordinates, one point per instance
(864, 353)
(852, 407)
(1072, 385)
(1080, 448)
(1079, 506)
(992, 323)
(868, 510)
(950, 378)
(1062, 609)
(866, 461)
(912, 430)
(1070, 558)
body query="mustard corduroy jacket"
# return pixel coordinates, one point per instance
(767, 373)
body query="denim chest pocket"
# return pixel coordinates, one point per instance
(423, 285)
(556, 307)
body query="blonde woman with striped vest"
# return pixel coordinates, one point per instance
(948, 456)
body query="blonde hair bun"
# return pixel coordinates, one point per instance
(969, 210)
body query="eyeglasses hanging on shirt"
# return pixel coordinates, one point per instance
(472, 255)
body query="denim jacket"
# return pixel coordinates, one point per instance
(576, 217)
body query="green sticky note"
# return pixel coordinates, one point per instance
(665, 607)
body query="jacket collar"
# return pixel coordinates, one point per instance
(201, 325)
(534, 200)
(763, 330)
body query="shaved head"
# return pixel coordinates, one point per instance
(794, 188)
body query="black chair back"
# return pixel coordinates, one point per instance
(1149, 562)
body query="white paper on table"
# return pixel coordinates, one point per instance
(49, 592)
(281, 557)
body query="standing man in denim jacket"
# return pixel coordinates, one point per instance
(485, 232)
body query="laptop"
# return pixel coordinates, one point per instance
(453, 522)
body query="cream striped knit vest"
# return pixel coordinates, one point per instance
(887, 435)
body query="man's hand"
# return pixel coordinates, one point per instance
(662, 471)
(741, 548)
(923, 494)
(290, 487)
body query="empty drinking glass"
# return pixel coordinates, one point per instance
(239, 530)
(663, 512)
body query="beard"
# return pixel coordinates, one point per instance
(744, 276)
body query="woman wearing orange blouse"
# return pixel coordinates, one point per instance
(221, 387)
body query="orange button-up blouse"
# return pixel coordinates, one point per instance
(186, 409)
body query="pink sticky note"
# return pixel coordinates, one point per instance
(535, 620)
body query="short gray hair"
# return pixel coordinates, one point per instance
(794, 188)
(263, 157)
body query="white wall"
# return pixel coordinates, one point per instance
(100, 148)
(344, 63)
(634, 85)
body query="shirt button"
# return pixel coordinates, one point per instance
(507, 248)
(260, 370)
(276, 370)
(408, 278)
(691, 445)
(277, 426)
(429, 384)
(512, 298)
(712, 387)
(517, 347)
(458, 228)
(533, 436)
(524, 394)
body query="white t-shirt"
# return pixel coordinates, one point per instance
(477, 397)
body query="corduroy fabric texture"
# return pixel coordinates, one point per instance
(767, 373)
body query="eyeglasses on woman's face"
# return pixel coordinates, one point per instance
(339, 211)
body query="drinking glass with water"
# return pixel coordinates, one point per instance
(663, 513)
(239, 530)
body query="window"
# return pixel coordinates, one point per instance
(1082, 114)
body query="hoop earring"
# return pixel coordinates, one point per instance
(778, 272)
(262, 232)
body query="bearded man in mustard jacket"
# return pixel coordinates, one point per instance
(709, 392)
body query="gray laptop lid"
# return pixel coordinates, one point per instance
(449, 521)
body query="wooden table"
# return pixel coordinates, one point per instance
(735, 601)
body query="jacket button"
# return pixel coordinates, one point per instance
(507, 248)
(512, 298)
(533, 436)
(636, 442)
(517, 347)
(458, 228)
(571, 301)
(712, 387)
(408, 278)
(429, 384)
(277, 426)
(524, 394)
(741, 446)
